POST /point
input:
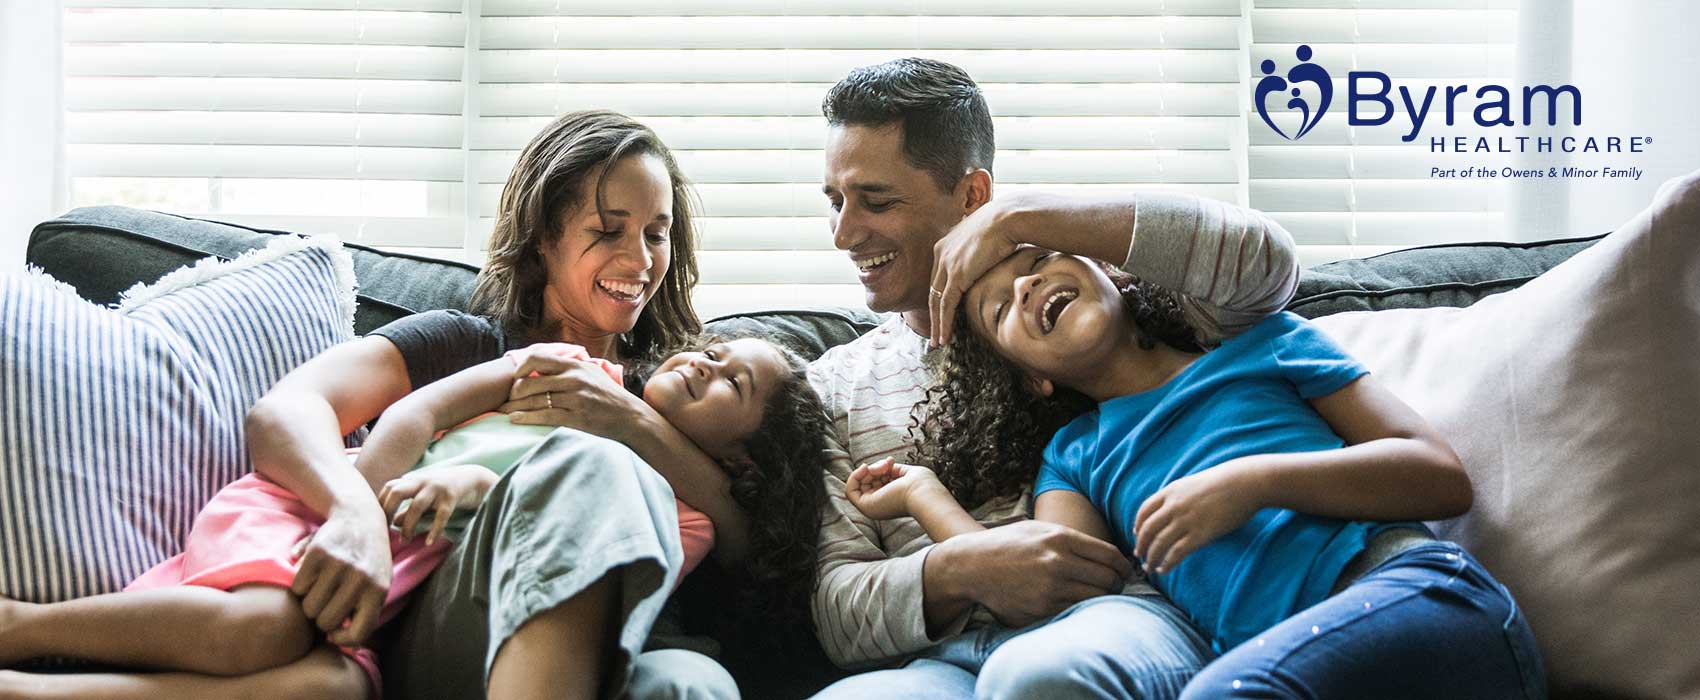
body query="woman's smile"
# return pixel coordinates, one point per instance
(625, 292)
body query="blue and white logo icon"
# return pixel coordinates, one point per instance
(1304, 72)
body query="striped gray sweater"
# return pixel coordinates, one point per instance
(1232, 267)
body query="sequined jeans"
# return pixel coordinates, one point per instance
(1428, 623)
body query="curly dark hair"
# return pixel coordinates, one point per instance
(984, 428)
(781, 491)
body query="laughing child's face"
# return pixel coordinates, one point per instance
(716, 396)
(1056, 316)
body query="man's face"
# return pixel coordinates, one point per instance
(886, 214)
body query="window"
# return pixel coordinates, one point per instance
(1347, 191)
(395, 123)
(276, 114)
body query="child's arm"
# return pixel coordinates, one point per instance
(1073, 510)
(406, 427)
(885, 489)
(1395, 467)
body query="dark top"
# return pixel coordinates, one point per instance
(436, 344)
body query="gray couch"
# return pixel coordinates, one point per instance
(102, 251)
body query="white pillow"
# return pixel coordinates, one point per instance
(1574, 401)
(117, 425)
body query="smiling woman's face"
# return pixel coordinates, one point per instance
(1051, 314)
(608, 263)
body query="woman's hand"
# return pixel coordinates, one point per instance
(577, 394)
(345, 574)
(976, 244)
(573, 394)
(882, 490)
(1193, 511)
(441, 489)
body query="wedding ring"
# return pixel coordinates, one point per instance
(935, 292)
(549, 398)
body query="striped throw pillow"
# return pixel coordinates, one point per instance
(118, 424)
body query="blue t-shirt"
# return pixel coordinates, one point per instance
(1246, 397)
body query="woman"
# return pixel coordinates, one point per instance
(593, 246)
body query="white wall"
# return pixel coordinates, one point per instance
(31, 182)
(1638, 65)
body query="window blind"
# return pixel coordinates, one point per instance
(1346, 191)
(1085, 93)
(310, 116)
(396, 123)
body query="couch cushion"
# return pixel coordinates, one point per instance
(117, 425)
(810, 332)
(1440, 275)
(101, 251)
(1574, 402)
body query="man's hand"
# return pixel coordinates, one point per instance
(881, 490)
(345, 571)
(1191, 512)
(1028, 571)
(976, 244)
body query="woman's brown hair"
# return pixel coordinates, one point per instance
(545, 188)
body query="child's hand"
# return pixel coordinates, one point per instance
(443, 489)
(881, 490)
(1190, 512)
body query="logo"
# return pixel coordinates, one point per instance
(1370, 90)
(1304, 72)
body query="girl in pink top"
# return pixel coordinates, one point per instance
(745, 402)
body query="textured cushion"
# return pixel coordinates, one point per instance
(1574, 402)
(810, 332)
(102, 251)
(116, 425)
(1457, 274)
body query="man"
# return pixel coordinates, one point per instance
(1026, 609)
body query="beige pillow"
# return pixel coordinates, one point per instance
(1574, 401)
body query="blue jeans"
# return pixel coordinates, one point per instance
(1429, 622)
(677, 674)
(1109, 647)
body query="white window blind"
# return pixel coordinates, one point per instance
(1085, 93)
(309, 116)
(396, 123)
(1346, 191)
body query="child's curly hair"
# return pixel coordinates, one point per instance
(982, 426)
(782, 493)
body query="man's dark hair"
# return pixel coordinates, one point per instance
(947, 129)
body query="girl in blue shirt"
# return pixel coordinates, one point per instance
(1269, 486)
